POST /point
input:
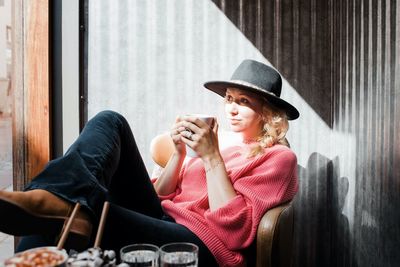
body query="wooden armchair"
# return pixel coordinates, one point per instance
(273, 245)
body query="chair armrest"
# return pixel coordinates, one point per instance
(275, 233)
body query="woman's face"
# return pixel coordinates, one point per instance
(243, 111)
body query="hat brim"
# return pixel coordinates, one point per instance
(220, 87)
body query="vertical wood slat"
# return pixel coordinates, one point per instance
(31, 117)
(37, 81)
(19, 145)
(394, 85)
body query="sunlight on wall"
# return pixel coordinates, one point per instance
(148, 61)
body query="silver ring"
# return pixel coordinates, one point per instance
(190, 135)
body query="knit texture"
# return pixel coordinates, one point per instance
(261, 183)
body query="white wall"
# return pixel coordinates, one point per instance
(148, 60)
(5, 58)
(5, 52)
(70, 71)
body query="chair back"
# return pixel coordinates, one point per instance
(161, 149)
(275, 237)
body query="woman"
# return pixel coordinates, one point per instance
(215, 201)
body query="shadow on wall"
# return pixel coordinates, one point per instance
(322, 236)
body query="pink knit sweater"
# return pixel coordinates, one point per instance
(260, 182)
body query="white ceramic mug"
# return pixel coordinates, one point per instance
(207, 119)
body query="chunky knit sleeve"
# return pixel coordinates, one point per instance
(267, 181)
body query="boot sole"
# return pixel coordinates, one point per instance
(18, 221)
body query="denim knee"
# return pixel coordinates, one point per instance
(109, 115)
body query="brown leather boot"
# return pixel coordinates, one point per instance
(39, 212)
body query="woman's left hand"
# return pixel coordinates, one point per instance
(200, 136)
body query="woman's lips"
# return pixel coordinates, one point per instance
(234, 121)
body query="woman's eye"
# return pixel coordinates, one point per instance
(244, 101)
(229, 99)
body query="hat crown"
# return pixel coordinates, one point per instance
(262, 76)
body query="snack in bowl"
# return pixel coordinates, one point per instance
(93, 257)
(42, 256)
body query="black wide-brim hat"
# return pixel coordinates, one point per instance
(256, 77)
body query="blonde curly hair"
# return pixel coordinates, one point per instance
(274, 129)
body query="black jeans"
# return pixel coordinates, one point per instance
(104, 163)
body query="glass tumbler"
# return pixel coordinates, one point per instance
(140, 255)
(179, 255)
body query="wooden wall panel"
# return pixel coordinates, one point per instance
(31, 124)
(368, 91)
(342, 57)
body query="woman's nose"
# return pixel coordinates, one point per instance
(233, 108)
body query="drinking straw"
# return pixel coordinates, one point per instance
(67, 228)
(100, 230)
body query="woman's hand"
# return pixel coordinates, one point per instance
(176, 136)
(199, 136)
